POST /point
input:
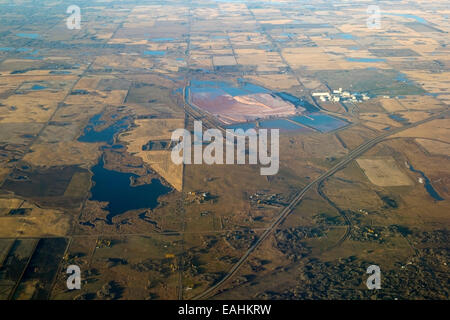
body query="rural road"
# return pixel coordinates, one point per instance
(299, 196)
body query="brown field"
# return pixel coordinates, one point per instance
(156, 129)
(376, 209)
(435, 147)
(392, 105)
(384, 172)
(437, 129)
(37, 222)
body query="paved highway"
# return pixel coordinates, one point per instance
(299, 196)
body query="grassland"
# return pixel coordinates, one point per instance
(114, 90)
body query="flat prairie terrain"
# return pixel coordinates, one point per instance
(87, 179)
(384, 172)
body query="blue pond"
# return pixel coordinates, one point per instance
(243, 126)
(282, 124)
(28, 35)
(365, 59)
(405, 15)
(33, 58)
(162, 39)
(297, 102)
(428, 185)
(105, 135)
(321, 122)
(38, 87)
(155, 53)
(115, 188)
(219, 37)
(398, 118)
(346, 36)
(60, 72)
(220, 88)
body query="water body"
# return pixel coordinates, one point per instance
(219, 37)
(155, 53)
(33, 58)
(28, 35)
(287, 34)
(22, 50)
(282, 124)
(38, 87)
(162, 39)
(105, 135)
(401, 77)
(398, 118)
(321, 122)
(243, 126)
(365, 59)
(115, 188)
(297, 101)
(405, 15)
(266, 47)
(60, 72)
(220, 87)
(433, 193)
(346, 36)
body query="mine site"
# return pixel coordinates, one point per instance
(355, 95)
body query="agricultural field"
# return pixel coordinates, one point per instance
(88, 117)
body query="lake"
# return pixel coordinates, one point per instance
(115, 188)
(105, 135)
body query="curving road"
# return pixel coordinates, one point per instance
(299, 196)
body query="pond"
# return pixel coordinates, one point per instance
(38, 87)
(115, 188)
(320, 122)
(406, 15)
(398, 118)
(365, 59)
(282, 124)
(431, 191)
(155, 53)
(297, 102)
(28, 35)
(105, 135)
